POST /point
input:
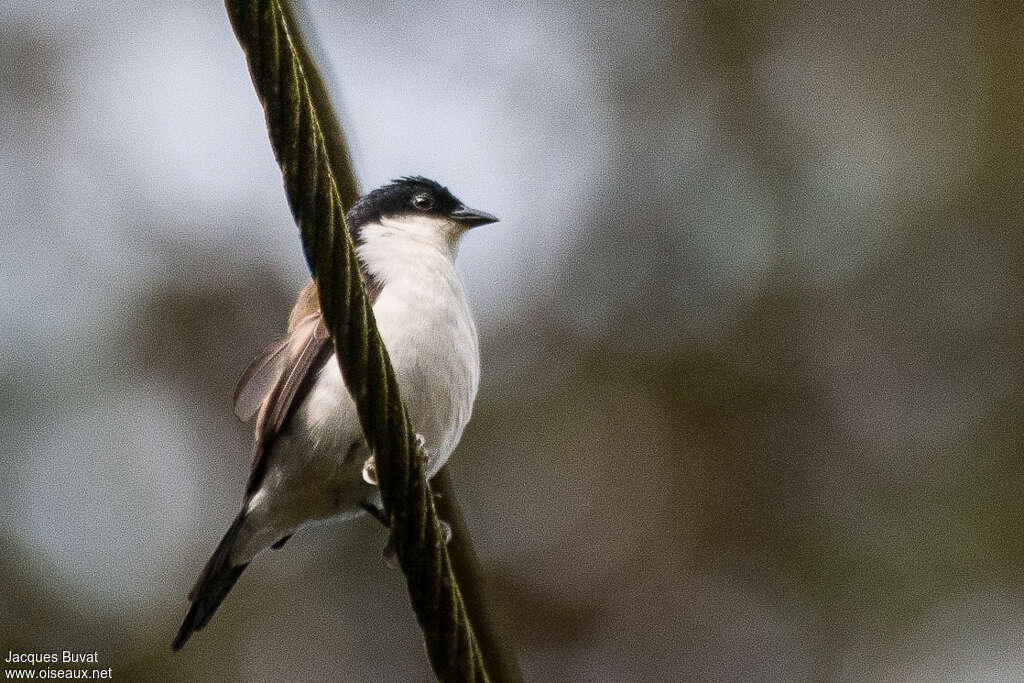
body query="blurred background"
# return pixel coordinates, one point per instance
(751, 329)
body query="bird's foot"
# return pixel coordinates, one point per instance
(446, 531)
(370, 471)
(426, 454)
(370, 465)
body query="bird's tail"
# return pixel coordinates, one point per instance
(212, 586)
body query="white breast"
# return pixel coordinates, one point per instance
(426, 325)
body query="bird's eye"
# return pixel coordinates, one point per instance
(423, 202)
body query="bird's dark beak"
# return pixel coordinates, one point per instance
(471, 218)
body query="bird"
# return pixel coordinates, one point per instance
(311, 463)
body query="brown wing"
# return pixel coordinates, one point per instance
(308, 347)
(295, 362)
(258, 379)
(306, 305)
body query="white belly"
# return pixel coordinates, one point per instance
(315, 467)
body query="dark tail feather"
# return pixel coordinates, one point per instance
(212, 586)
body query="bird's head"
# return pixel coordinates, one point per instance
(413, 210)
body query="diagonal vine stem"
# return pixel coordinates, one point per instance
(320, 186)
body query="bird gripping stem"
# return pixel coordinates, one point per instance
(320, 186)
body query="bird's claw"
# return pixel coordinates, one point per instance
(425, 453)
(388, 553)
(370, 471)
(446, 531)
(370, 465)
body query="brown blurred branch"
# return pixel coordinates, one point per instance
(500, 658)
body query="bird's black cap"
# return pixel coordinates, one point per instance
(413, 195)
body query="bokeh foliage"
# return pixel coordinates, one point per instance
(758, 418)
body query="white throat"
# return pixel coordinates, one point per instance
(407, 244)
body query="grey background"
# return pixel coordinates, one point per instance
(751, 323)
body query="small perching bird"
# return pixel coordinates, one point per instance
(310, 460)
